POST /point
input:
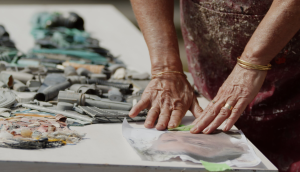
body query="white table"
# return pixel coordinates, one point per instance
(104, 147)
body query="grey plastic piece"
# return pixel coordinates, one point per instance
(52, 91)
(98, 76)
(53, 83)
(45, 104)
(69, 114)
(33, 85)
(4, 110)
(82, 88)
(70, 71)
(140, 76)
(7, 98)
(92, 97)
(83, 72)
(77, 79)
(64, 106)
(113, 67)
(7, 79)
(124, 87)
(19, 86)
(69, 97)
(115, 95)
(111, 116)
(23, 77)
(106, 104)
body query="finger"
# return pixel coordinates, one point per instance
(141, 105)
(207, 117)
(151, 117)
(221, 117)
(164, 116)
(235, 114)
(195, 108)
(175, 119)
(209, 106)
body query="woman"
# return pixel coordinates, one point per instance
(260, 89)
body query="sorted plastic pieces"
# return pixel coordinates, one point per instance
(34, 131)
(66, 73)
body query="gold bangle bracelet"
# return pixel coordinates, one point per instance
(168, 72)
(248, 65)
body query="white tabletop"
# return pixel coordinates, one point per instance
(104, 147)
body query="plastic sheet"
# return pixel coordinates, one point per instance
(231, 149)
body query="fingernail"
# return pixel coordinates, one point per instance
(226, 128)
(193, 129)
(148, 122)
(171, 126)
(161, 126)
(206, 130)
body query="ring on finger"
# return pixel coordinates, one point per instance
(228, 106)
(213, 101)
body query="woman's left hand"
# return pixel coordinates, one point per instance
(239, 89)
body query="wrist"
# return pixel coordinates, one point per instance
(253, 59)
(165, 68)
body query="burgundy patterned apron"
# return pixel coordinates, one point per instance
(215, 34)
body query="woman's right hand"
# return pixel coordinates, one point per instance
(168, 97)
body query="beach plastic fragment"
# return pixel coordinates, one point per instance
(115, 95)
(7, 98)
(113, 67)
(119, 73)
(7, 79)
(98, 76)
(23, 77)
(70, 71)
(25, 97)
(72, 98)
(85, 89)
(52, 91)
(92, 68)
(19, 86)
(107, 104)
(124, 87)
(83, 72)
(70, 114)
(64, 106)
(108, 115)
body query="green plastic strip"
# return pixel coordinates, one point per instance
(215, 167)
(182, 128)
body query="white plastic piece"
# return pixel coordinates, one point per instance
(25, 97)
(120, 73)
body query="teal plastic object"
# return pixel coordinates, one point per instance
(8, 55)
(94, 57)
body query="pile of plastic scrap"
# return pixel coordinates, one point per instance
(36, 131)
(67, 73)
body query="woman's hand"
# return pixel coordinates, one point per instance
(168, 97)
(239, 89)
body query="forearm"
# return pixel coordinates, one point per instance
(155, 19)
(276, 29)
